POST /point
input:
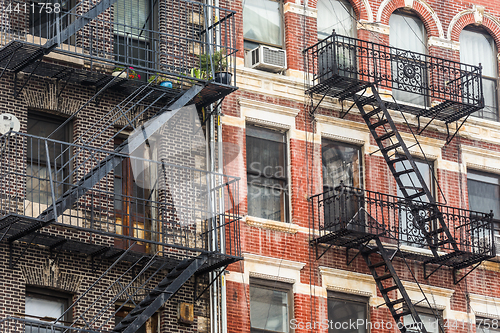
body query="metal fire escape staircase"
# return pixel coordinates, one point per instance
(353, 69)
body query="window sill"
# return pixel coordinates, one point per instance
(266, 224)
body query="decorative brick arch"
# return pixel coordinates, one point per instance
(428, 16)
(473, 16)
(363, 12)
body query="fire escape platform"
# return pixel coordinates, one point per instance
(344, 67)
(63, 238)
(22, 56)
(352, 218)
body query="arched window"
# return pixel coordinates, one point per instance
(338, 15)
(408, 33)
(478, 47)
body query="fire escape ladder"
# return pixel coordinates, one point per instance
(383, 272)
(418, 196)
(107, 165)
(160, 294)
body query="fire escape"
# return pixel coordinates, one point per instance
(382, 227)
(191, 226)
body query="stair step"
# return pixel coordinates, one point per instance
(372, 113)
(379, 123)
(391, 147)
(435, 232)
(416, 195)
(367, 100)
(384, 277)
(378, 264)
(386, 136)
(398, 301)
(404, 172)
(386, 290)
(401, 314)
(398, 159)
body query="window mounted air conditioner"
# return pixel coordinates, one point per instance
(268, 59)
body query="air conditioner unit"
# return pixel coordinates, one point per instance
(268, 58)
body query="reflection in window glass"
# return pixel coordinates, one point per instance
(343, 311)
(341, 163)
(262, 22)
(484, 192)
(336, 15)
(268, 309)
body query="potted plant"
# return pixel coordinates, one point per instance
(129, 73)
(161, 80)
(219, 61)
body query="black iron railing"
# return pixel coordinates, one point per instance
(149, 201)
(389, 67)
(16, 325)
(173, 39)
(347, 210)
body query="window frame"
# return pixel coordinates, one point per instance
(425, 94)
(282, 30)
(350, 298)
(285, 218)
(482, 31)
(275, 286)
(51, 294)
(427, 311)
(496, 219)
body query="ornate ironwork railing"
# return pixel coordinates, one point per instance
(352, 210)
(169, 38)
(389, 67)
(149, 201)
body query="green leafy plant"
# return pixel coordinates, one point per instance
(217, 58)
(158, 78)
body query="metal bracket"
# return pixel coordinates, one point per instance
(455, 281)
(13, 263)
(434, 271)
(13, 52)
(349, 262)
(16, 93)
(211, 282)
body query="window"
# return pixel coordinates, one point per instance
(408, 34)
(428, 318)
(150, 326)
(134, 22)
(48, 305)
(267, 174)
(341, 163)
(270, 306)
(38, 182)
(262, 23)
(410, 181)
(484, 193)
(487, 325)
(343, 308)
(42, 19)
(336, 15)
(478, 47)
(133, 211)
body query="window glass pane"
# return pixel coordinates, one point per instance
(484, 193)
(479, 48)
(43, 307)
(268, 309)
(266, 174)
(130, 14)
(262, 21)
(340, 163)
(408, 33)
(430, 322)
(341, 311)
(338, 15)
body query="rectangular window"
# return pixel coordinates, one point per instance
(38, 187)
(270, 306)
(343, 308)
(484, 194)
(262, 23)
(267, 174)
(43, 16)
(46, 305)
(410, 182)
(487, 325)
(428, 318)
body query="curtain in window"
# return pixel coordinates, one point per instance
(262, 21)
(268, 309)
(476, 48)
(338, 15)
(266, 174)
(130, 17)
(408, 34)
(340, 311)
